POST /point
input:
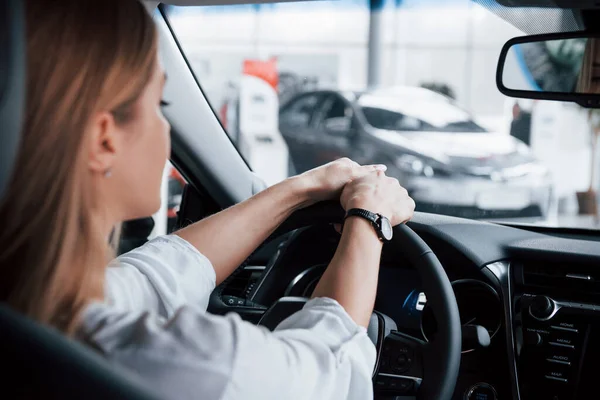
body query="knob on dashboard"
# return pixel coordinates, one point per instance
(542, 307)
(532, 338)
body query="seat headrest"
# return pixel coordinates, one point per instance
(12, 84)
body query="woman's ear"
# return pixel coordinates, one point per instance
(104, 143)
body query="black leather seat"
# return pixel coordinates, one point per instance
(37, 362)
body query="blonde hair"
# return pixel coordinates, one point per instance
(83, 57)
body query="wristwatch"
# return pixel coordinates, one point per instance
(382, 225)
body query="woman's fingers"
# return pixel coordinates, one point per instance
(363, 170)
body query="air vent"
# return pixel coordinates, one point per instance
(242, 282)
(562, 276)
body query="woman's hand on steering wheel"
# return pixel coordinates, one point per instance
(380, 194)
(327, 181)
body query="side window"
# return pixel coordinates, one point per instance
(335, 117)
(336, 108)
(391, 120)
(299, 112)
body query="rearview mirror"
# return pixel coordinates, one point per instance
(563, 67)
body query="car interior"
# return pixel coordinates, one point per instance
(509, 311)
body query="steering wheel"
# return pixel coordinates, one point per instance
(406, 366)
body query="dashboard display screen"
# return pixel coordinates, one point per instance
(398, 296)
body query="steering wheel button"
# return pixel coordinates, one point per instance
(405, 385)
(403, 361)
(384, 362)
(393, 384)
(400, 385)
(381, 382)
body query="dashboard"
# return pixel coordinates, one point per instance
(536, 296)
(400, 297)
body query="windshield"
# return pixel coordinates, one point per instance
(403, 113)
(410, 84)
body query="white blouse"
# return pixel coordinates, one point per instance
(154, 322)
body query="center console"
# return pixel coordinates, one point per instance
(556, 322)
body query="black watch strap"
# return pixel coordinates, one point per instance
(368, 215)
(380, 223)
(359, 212)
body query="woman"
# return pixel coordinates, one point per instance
(93, 150)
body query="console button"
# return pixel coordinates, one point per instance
(561, 357)
(558, 375)
(560, 360)
(564, 340)
(557, 379)
(562, 345)
(565, 327)
(481, 391)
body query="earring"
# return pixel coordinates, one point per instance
(107, 173)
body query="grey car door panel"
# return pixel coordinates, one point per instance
(295, 124)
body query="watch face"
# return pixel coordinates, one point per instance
(386, 228)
